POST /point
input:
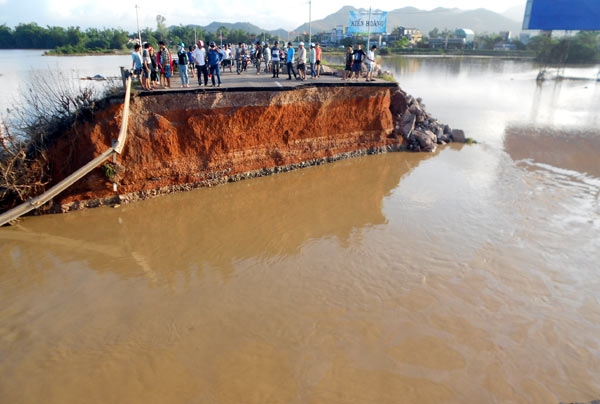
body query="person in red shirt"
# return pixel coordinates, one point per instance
(318, 61)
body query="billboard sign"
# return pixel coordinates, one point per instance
(575, 15)
(363, 22)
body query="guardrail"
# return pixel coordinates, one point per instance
(40, 200)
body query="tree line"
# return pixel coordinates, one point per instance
(32, 36)
(75, 40)
(583, 47)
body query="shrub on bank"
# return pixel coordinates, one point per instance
(50, 106)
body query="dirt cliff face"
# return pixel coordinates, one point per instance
(195, 138)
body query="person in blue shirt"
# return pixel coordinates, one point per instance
(215, 56)
(137, 65)
(290, 61)
(191, 60)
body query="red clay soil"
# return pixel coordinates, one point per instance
(189, 137)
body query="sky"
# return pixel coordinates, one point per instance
(268, 15)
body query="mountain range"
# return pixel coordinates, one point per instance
(479, 20)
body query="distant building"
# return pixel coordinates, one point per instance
(413, 34)
(506, 35)
(524, 37)
(466, 34)
(337, 34)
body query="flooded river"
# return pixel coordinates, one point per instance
(469, 275)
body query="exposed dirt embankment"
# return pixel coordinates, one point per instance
(181, 140)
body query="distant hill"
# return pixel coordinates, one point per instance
(515, 13)
(480, 20)
(244, 26)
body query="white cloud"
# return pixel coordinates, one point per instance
(265, 14)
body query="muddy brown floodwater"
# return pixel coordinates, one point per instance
(465, 276)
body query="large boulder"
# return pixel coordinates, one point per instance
(408, 124)
(426, 140)
(458, 136)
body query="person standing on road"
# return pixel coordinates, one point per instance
(358, 56)
(240, 53)
(214, 62)
(371, 63)
(154, 80)
(182, 63)
(146, 66)
(289, 61)
(312, 59)
(348, 68)
(275, 59)
(258, 54)
(191, 60)
(138, 66)
(199, 55)
(318, 59)
(227, 57)
(301, 61)
(165, 62)
(267, 57)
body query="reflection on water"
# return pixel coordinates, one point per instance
(572, 149)
(272, 218)
(465, 276)
(452, 277)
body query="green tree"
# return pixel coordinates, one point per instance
(118, 38)
(238, 35)
(147, 36)
(542, 45)
(585, 47)
(7, 40)
(402, 43)
(75, 37)
(446, 33)
(161, 28)
(488, 41)
(434, 33)
(520, 45)
(30, 36)
(185, 34)
(57, 36)
(96, 39)
(222, 32)
(347, 41)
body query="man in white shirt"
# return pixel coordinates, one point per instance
(301, 61)
(228, 59)
(371, 63)
(199, 55)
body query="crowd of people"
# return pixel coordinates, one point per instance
(354, 60)
(155, 69)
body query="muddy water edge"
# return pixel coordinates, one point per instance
(465, 276)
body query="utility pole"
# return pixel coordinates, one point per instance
(369, 30)
(138, 24)
(309, 22)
